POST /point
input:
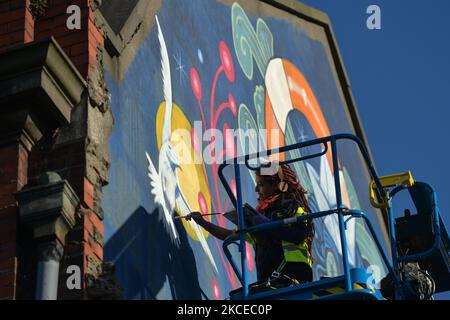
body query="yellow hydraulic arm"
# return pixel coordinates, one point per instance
(404, 178)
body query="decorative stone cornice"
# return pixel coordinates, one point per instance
(40, 78)
(49, 208)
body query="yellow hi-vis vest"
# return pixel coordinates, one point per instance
(296, 252)
(292, 252)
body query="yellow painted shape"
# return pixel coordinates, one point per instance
(191, 178)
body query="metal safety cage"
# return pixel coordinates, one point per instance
(340, 210)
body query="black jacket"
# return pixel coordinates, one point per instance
(268, 249)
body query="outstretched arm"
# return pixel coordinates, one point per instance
(216, 231)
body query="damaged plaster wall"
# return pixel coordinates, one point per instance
(99, 128)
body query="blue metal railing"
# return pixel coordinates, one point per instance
(278, 223)
(340, 210)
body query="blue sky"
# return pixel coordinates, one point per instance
(400, 78)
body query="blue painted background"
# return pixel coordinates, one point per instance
(149, 264)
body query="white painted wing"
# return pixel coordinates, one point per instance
(167, 84)
(158, 192)
(155, 182)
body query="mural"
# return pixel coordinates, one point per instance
(203, 69)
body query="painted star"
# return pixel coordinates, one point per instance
(180, 66)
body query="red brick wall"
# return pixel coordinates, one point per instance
(84, 245)
(17, 26)
(13, 176)
(79, 45)
(16, 23)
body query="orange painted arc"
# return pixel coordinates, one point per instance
(304, 100)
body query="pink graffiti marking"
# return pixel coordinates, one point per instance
(250, 264)
(230, 104)
(202, 203)
(227, 61)
(196, 86)
(226, 67)
(216, 289)
(196, 142)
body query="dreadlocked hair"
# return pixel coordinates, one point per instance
(297, 193)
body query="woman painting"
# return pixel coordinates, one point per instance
(286, 249)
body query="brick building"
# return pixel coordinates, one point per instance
(81, 108)
(54, 118)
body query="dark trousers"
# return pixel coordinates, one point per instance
(299, 271)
